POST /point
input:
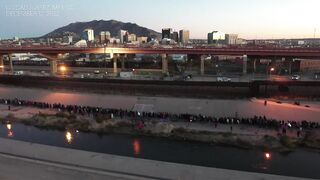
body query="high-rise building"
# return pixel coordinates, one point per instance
(142, 40)
(67, 39)
(184, 36)
(166, 33)
(15, 38)
(123, 36)
(175, 36)
(216, 37)
(102, 37)
(231, 39)
(88, 35)
(132, 37)
(108, 35)
(70, 39)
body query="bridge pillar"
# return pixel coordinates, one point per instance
(53, 67)
(115, 67)
(202, 60)
(123, 58)
(290, 66)
(1, 64)
(164, 63)
(111, 55)
(10, 63)
(245, 64)
(52, 58)
(255, 66)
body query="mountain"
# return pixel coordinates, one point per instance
(112, 26)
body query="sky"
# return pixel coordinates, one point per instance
(251, 19)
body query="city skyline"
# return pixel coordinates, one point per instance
(294, 18)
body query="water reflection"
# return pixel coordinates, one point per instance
(10, 133)
(9, 128)
(267, 156)
(136, 147)
(266, 163)
(69, 137)
(300, 163)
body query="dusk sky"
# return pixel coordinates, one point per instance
(248, 18)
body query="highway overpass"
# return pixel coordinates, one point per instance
(198, 54)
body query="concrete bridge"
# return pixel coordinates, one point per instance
(197, 54)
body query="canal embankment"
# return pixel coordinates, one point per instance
(50, 162)
(158, 88)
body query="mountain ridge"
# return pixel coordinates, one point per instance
(113, 26)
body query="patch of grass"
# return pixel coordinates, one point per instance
(62, 115)
(227, 134)
(124, 124)
(288, 142)
(311, 139)
(100, 119)
(269, 139)
(180, 130)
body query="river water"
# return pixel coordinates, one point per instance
(300, 163)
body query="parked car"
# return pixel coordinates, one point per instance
(223, 79)
(295, 77)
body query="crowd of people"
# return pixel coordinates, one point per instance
(256, 121)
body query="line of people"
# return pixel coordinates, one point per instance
(257, 121)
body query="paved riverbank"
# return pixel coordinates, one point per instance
(34, 161)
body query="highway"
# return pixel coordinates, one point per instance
(260, 52)
(36, 70)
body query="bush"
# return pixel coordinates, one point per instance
(62, 115)
(72, 117)
(287, 142)
(124, 124)
(99, 119)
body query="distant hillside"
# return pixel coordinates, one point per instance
(112, 26)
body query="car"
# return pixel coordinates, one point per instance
(18, 73)
(223, 79)
(295, 77)
(96, 72)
